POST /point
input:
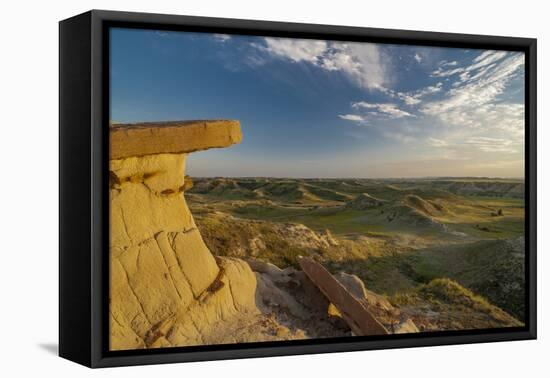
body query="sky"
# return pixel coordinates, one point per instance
(315, 108)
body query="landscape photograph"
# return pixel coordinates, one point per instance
(270, 189)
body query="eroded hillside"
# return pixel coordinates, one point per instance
(407, 240)
(224, 260)
(169, 288)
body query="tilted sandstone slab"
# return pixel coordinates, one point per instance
(358, 317)
(389, 316)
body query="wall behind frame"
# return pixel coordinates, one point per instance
(28, 274)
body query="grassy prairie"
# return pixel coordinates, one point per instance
(399, 236)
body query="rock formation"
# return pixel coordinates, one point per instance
(354, 312)
(159, 264)
(166, 287)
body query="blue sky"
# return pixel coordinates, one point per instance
(311, 108)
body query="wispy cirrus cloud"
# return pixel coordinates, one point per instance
(488, 144)
(466, 95)
(361, 63)
(413, 97)
(473, 100)
(386, 109)
(401, 137)
(437, 142)
(469, 118)
(221, 37)
(353, 117)
(375, 109)
(471, 145)
(446, 63)
(486, 58)
(295, 50)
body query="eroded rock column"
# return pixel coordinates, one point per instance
(159, 264)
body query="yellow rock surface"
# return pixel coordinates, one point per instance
(151, 138)
(159, 264)
(146, 198)
(166, 287)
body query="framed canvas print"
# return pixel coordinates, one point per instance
(233, 188)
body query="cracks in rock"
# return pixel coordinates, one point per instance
(199, 333)
(138, 258)
(171, 241)
(231, 293)
(156, 331)
(144, 241)
(134, 318)
(169, 270)
(124, 224)
(138, 337)
(134, 293)
(116, 320)
(154, 334)
(214, 287)
(169, 333)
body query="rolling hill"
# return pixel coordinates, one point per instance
(448, 252)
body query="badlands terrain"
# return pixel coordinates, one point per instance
(449, 252)
(200, 261)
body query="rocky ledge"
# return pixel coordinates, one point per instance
(168, 289)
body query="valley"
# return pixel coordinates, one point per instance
(449, 252)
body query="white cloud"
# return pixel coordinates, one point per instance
(417, 57)
(410, 99)
(463, 145)
(437, 142)
(483, 55)
(473, 100)
(487, 144)
(400, 137)
(390, 110)
(414, 97)
(360, 62)
(484, 59)
(472, 118)
(368, 111)
(221, 37)
(353, 117)
(445, 63)
(440, 72)
(296, 50)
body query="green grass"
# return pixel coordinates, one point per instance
(226, 236)
(452, 307)
(256, 211)
(492, 268)
(426, 247)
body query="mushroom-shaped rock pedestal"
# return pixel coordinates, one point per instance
(166, 288)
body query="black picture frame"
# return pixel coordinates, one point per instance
(83, 180)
